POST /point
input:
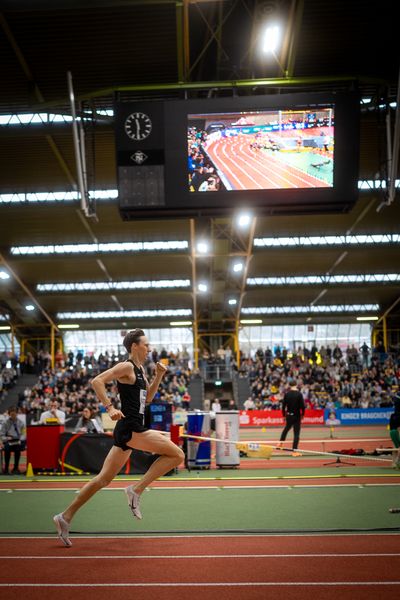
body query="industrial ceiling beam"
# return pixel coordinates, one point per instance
(53, 5)
(27, 292)
(38, 94)
(206, 85)
(246, 266)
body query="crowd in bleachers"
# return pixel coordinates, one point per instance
(69, 383)
(8, 373)
(327, 377)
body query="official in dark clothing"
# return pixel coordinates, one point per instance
(293, 409)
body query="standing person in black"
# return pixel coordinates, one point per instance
(293, 409)
(134, 392)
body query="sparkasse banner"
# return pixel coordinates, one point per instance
(274, 418)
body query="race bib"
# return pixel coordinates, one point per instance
(143, 396)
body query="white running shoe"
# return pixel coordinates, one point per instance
(134, 502)
(62, 529)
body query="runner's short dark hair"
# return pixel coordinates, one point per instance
(132, 337)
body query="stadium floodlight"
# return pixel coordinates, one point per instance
(202, 247)
(271, 39)
(237, 267)
(243, 220)
(4, 275)
(202, 287)
(29, 307)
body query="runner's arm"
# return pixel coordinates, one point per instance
(99, 385)
(153, 386)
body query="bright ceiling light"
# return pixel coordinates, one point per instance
(29, 307)
(243, 220)
(271, 39)
(232, 301)
(237, 267)
(5, 328)
(98, 286)
(4, 275)
(251, 321)
(315, 309)
(180, 323)
(202, 247)
(367, 318)
(66, 326)
(202, 287)
(126, 314)
(108, 247)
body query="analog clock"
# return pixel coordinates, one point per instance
(138, 126)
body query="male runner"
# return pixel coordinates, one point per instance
(134, 391)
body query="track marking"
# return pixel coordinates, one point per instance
(214, 487)
(206, 556)
(205, 584)
(200, 535)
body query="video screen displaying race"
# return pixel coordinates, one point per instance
(261, 150)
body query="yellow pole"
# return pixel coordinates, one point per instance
(385, 338)
(373, 338)
(236, 343)
(12, 341)
(196, 344)
(52, 347)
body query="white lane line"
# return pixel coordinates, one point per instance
(185, 556)
(218, 487)
(201, 535)
(205, 584)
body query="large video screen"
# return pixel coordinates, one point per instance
(272, 153)
(261, 150)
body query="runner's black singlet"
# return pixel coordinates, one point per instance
(133, 402)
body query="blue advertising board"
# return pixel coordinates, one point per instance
(359, 416)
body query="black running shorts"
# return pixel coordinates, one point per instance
(123, 432)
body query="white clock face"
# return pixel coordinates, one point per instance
(138, 126)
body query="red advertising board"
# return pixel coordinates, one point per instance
(274, 418)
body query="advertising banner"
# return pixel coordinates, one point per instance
(274, 418)
(359, 416)
(199, 452)
(227, 428)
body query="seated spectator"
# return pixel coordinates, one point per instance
(87, 423)
(52, 414)
(13, 439)
(249, 404)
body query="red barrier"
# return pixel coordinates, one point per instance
(274, 418)
(43, 446)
